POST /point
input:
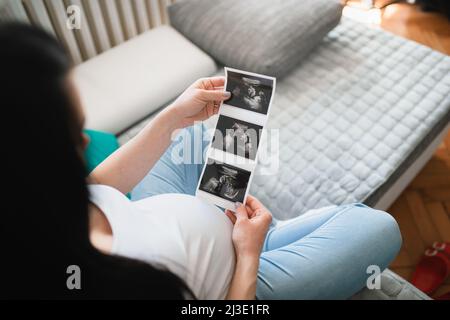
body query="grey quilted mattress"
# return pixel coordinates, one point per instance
(352, 117)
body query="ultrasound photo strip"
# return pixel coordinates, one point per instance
(225, 180)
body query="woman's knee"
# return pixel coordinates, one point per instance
(384, 230)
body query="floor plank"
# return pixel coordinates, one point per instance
(438, 194)
(440, 219)
(442, 290)
(405, 273)
(403, 260)
(409, 21)
(412, 243)
(447, 207)
(435, 180)
(427, 231)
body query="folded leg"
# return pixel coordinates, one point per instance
(325, 256)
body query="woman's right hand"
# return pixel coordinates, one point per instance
(198, 102)
(251, 222)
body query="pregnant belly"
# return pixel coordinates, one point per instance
(195, 216)
(204, 235)
(193, 212)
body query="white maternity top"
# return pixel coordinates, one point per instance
(188, 236)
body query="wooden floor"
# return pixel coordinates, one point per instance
(409, 21)
(423, 210)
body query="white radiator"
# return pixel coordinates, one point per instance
(104, 23)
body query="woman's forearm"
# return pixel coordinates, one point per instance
(243, 284)
(126, 167)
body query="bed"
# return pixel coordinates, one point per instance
(357, 121)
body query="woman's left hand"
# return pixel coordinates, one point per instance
(200, 101)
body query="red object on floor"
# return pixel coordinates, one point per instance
(432, 270)
(443, 247)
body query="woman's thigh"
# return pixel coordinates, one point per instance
(327, 256)
(179, 169)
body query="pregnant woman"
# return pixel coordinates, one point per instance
(163, 242)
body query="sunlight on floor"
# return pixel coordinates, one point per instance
(391, 11)
(362, 14)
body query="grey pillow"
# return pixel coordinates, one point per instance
(264, 36)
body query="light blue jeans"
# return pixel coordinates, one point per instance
(320, 255)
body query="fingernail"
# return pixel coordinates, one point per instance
(227, 94)
(237, 205)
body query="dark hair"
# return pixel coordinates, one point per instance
(44, 229)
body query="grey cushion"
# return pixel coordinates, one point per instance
(264, 36)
